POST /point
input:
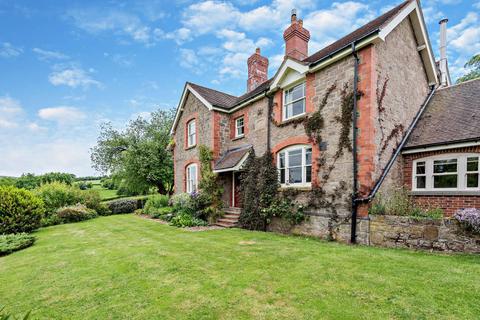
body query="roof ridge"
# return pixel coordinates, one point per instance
(198, 85)
(458, 84)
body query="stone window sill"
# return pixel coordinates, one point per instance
(238, 138)
(445, 193)
(191, 147)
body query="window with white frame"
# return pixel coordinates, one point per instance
(294, 101)
(192, 178)
(191, 133)
(239, 127)
(295, 166)
(446, 173)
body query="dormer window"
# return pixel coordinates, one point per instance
(294, 101)
(191, 134)
(239, 127)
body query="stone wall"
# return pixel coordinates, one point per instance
(405, 232)
(401, 76)
(183, 155)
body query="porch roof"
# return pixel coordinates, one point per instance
(232, 160)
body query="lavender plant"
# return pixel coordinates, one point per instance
(469, 219)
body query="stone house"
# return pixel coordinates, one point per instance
(411, 127)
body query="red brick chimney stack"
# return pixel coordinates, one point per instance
(257, 70)
(296, 39)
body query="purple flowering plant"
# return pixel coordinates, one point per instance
(469, 218)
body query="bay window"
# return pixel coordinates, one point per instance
(446, 173)
(294, 101)
(295, 166)
(192, 181)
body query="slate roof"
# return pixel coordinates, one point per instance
(452, 116)
(228, 102)
(232, 158)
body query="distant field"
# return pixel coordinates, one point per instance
(105, 194)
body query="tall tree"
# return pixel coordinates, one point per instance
(474, 65)
(138, 155)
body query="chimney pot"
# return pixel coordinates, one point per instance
(294, 15)
(257, 51)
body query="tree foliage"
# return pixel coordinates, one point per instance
(474, 66)
(31, 181)
(138, 155)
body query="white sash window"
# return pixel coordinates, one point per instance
(295, 166)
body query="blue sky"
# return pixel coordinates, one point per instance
(67, 66)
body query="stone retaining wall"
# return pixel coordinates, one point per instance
(406, 232)
(386, 231)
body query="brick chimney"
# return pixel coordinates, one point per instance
(257, 70)
(296, 39)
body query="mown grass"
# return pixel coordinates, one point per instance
(126, 267)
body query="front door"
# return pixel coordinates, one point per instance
(237, 199)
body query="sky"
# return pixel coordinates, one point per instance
(68, 66)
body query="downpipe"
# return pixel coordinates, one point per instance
(353, 236)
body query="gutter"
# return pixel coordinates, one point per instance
(391, 162)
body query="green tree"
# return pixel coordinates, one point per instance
(474, 65)
(138, 155)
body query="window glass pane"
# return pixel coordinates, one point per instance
(288, 96)
(282, 175)
(421, 182)
(282, 160)
(446, 181)
(288, 111)
(295, 158)
(298, 92)
(295, 175)
(308, 174)
(472, 164)
(472, 180)
(298, 107)
(421, 167)
(442, 166)
(308, 156)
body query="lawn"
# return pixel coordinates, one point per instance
(105, 194)
(126, 267)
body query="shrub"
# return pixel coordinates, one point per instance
(286, 209)
(92, 200)
(123, 206)
(20, 210)
(400, 203)
(75, 213)
(469, 219)
(182, 201)
(14, 242)
(183, 220)
(56, 195)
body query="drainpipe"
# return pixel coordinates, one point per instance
(353, 237)
(269, 120)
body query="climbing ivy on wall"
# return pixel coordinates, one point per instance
(209, 184)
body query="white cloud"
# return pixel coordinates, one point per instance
(180, 36)
(7, 50)
(209, 16)
(61, 114)
(72, 77)
(9, 110)
(35, 127)
(477, 5)
(96, 21)
(47, 55)
(190, 60)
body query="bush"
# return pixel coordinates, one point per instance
(75, 213)
(286, 209)
(184, 220)
(20, 210)
(92, 200)
(400, 203)
(123, 206)
(182, 202)
(56, 195)
(14, 242)
(469, 219)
